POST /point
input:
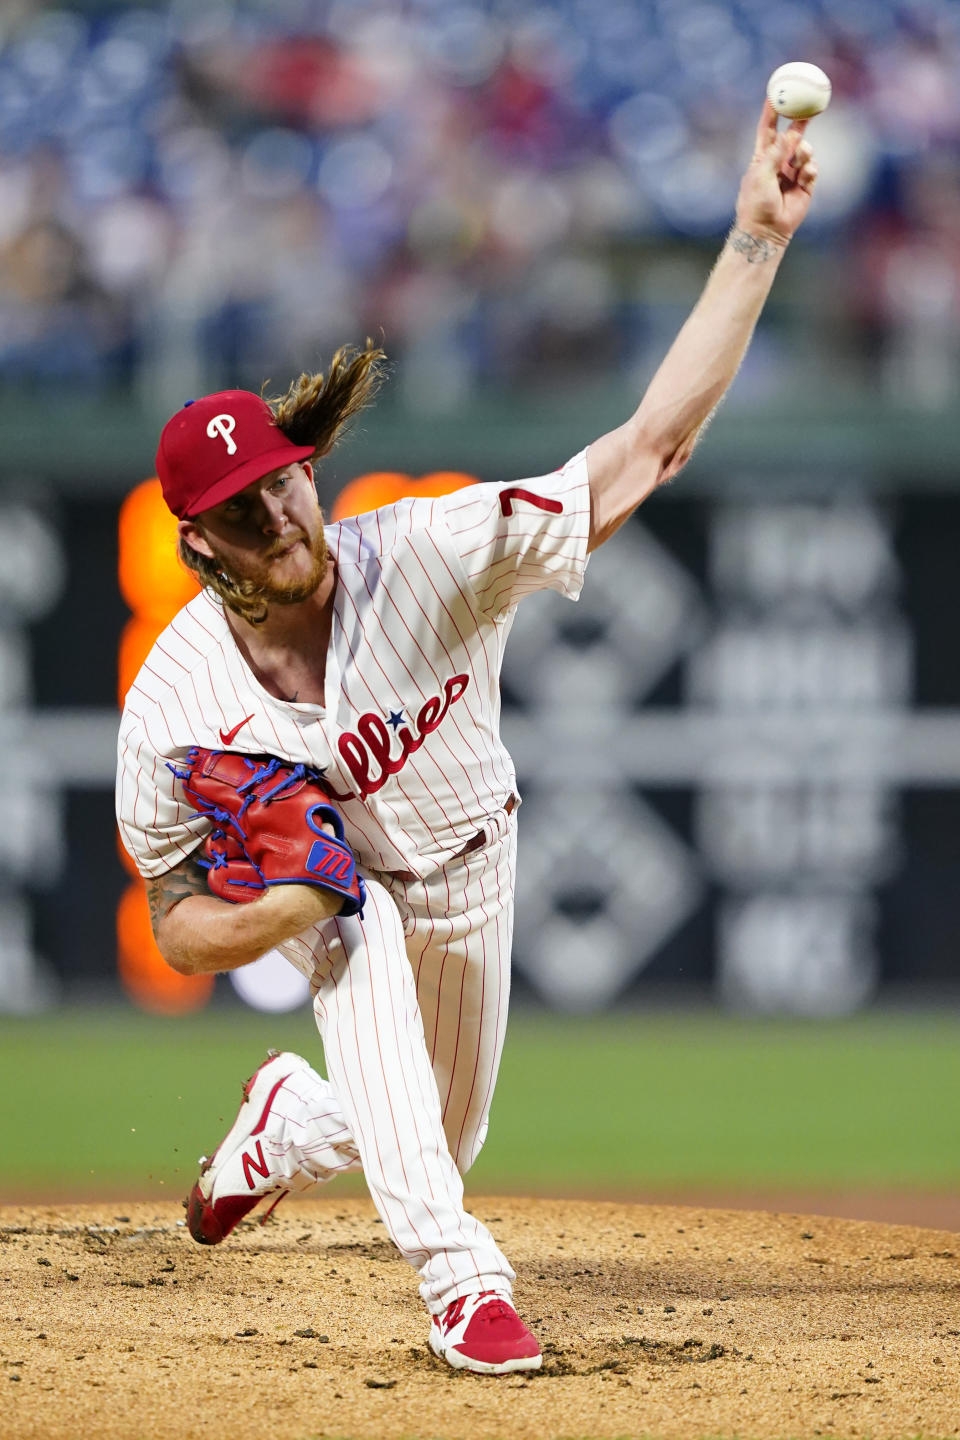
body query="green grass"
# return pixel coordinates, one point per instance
(706, 1099)
(113, 1101)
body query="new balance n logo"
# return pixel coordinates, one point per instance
(260, 1165)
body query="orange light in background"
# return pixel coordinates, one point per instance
(155, 586)
(152, 581)
(386, 487)
(146, 976)
(126, 859)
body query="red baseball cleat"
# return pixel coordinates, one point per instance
(484, 1333)
(239, 1173)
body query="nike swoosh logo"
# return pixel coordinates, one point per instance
(228, 736)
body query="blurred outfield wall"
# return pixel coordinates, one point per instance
(739, 752)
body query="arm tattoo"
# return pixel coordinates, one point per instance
(755, 251)
(166, 891)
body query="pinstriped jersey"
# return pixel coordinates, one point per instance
(408, 740)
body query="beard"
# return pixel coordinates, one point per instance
(257, 582)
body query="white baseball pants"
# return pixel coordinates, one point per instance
(411, 1002)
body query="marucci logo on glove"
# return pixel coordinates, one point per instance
(329, 866)
(328, 861)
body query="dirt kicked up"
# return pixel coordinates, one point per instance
(678, 1323)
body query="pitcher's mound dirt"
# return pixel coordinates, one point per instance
(660, 1321)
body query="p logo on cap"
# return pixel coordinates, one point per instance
(247, 444)
(224, 426)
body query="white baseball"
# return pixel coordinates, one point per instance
(799, 90)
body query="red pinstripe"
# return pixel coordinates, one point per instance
(222, 714)
(150, 671)
(381, 1192)
(369, 845)
(183, 708)
(136, 802)
(471, 696)
(531, 552)
(196, 693)
(504, 923)
(358, 671)
(178, 664)
(387, 1095)
(362, 1073)
(513, 594)
(443, 965)
(439, 683)
(194, 610)
(513, 535)
(343, 1010)
(486, 940)
(455, 720)
(428, 1144)
(463, 976)
(446, 609)
(373, 696)
(180, 636)
(427, 943)
(432, 1144)
(264, 708)
(468, 1102)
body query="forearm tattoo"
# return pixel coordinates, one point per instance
(754, 250)
(166, 891)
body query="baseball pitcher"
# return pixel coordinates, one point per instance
(310, 759)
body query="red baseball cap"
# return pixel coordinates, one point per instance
(214, 447)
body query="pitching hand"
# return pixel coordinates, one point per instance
(776, 189)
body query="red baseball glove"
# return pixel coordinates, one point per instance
(268, 817)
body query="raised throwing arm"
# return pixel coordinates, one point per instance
(655, 443)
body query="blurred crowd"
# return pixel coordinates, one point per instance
(504, 191)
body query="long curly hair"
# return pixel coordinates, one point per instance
(315, 410)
